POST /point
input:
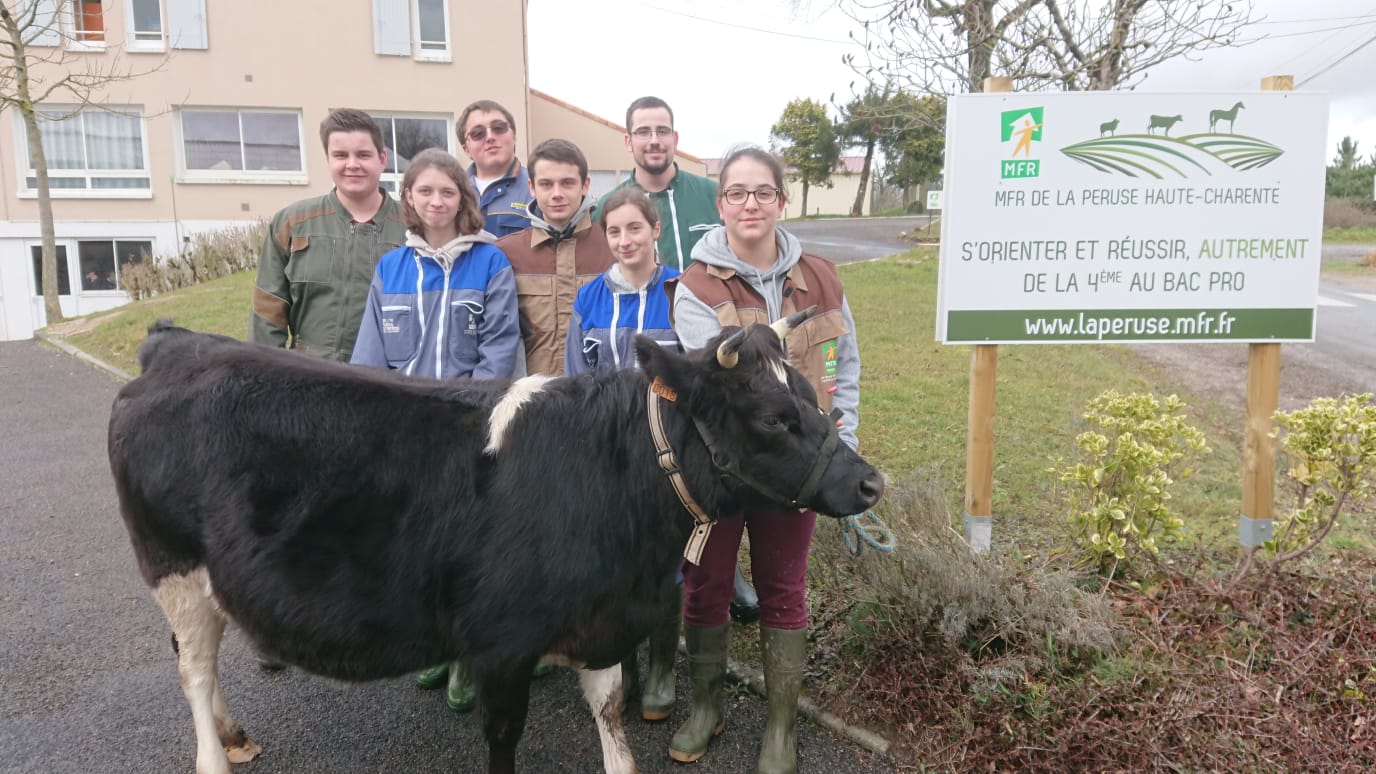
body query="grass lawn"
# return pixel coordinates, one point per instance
(219, 306)
(915, 397)
(1360, 235)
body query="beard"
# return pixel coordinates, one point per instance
(657, 169)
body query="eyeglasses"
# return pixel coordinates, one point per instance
(763, 195)
(479, 133)
(644, 132)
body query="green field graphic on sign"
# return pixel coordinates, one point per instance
(1146, 155)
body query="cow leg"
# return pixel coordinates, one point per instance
(602, 689)
(504, 700)
(198, 627)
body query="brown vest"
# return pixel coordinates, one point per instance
(548, 277)
(811, 346)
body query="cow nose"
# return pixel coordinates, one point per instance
(872, 488)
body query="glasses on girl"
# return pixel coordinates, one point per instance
(763, 195)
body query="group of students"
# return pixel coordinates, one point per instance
(500, 270)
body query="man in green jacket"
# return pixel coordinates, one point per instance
(687, 203)
(320, 253)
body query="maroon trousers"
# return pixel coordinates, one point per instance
(779, 542)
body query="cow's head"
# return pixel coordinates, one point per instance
(760, 419)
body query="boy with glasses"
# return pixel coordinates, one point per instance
(487, 133)
(687, 203)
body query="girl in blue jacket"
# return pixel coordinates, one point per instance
(444, 305)
(628, 298)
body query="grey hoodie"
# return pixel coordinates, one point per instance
(696, 323)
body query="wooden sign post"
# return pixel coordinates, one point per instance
(979, 431)
(1257, 521)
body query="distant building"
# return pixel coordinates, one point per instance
(223, 128)
(836, 200)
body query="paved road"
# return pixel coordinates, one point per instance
(845, 240)
(87, 675)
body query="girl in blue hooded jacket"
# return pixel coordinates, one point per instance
(628, 298)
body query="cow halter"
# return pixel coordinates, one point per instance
(727, 357)
(668, 463)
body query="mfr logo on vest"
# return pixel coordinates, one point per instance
(829, 359)
(1020, 128)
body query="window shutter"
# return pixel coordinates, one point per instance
(186, 27)
(45, 30)
(392, 27)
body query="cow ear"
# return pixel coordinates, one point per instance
(658, 362)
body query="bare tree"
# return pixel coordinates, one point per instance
(950, 46)
(36, 66)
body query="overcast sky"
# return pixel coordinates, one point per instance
(729, 67)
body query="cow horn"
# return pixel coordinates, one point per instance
(785, 326)
(727, 351)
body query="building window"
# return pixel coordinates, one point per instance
(93, 152)
(603, 180)
(241, 145)
(404, 137)
(88, 23)
(144, 19)
(64, 280)
(431, 29)
(103, 261)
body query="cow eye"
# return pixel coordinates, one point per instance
(772, 421)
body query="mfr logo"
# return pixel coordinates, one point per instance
(1018, 130)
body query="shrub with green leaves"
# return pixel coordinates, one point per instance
(1329, 452)
(1118, 488)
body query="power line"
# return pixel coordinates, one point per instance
(1338, 61)
(1314, 20)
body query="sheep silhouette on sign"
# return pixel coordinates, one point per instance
(1108, 127)
(1163, 122)
(1215, 116)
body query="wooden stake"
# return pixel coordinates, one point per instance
(1263, 397)
(979, 431)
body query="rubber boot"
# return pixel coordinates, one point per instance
(707, 666)
(460, 694)
(657, 701)
(785, 657)
(745, 603)
(434, 677)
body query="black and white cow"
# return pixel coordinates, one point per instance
(362, 525)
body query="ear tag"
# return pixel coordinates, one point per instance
(663, 390)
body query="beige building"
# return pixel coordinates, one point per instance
(836, 200)
(221, 125)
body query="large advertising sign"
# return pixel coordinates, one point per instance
(1120, 216)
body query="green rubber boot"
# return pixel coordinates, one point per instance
(460, 694)
(434, 677)
(785, 657)
(707, 666)
(657, 700)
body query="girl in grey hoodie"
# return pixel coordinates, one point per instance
(750, 270)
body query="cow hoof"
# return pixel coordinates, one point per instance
(243, 753)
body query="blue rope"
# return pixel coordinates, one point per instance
(866, 529)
